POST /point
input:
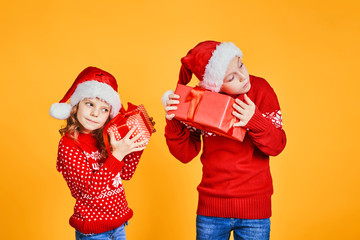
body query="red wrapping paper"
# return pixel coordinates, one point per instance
(207, 111)
(125, 120)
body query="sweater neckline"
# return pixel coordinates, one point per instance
(87, 138)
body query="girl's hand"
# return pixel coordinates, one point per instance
(244, 111)
(171, 105)
(126, 145)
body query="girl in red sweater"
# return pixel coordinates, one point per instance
(236, 186)
(93, 176)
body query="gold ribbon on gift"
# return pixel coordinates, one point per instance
(194, 97)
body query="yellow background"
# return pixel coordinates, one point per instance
(307, 50)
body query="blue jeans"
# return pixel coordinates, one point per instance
(116, 234)
(215, 228)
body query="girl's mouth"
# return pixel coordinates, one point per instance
(93, 122)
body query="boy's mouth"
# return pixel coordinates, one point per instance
(246, 84)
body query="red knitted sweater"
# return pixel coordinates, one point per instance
(95, 184)
(236, 180)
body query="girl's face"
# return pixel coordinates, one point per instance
(237, 80)
(92, 114)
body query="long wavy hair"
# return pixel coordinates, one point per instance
(73, 126)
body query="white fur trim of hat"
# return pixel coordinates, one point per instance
(218, 64)
(88, 89)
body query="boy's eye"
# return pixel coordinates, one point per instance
(232, 78)
(241, 64)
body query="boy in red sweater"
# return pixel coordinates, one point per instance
(236, 186)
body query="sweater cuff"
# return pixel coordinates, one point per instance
(258, 123)
(173, 125)
(113, 164)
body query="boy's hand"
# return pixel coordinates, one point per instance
(171, 105)
(243, 111)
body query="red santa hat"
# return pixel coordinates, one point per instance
(92, 82)
(208, 61)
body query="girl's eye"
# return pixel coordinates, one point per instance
(242, 64)
(105, 110)
(89, 104)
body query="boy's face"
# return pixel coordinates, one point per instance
(237, 80)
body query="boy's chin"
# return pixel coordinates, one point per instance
(246, 90)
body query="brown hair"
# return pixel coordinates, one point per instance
(72, 129)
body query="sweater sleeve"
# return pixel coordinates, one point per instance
(80, 176)
(183, 144)
(130, 163)
(265, 127)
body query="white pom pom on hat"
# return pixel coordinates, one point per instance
(92, 82)
(60, 110)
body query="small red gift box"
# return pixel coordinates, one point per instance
(208, 111)
(125, 120)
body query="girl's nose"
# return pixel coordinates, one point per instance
(94, 113)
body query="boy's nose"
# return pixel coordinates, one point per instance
(242, 76)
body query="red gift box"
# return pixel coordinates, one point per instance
(208, 111)
(125, 120)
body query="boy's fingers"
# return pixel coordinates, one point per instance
(248, 100)
(238, 115)
(170, 116)
(171, 102)
(241, 103)
(238, 108)
(174, 96)
(239, 124)
(168, 108)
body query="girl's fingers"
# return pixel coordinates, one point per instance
(136, 137)
(128, 135)
(140, 144)
(112, 137)
(138, 149)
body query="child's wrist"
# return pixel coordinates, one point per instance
(119, 156)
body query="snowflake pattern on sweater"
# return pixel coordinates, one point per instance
(275, 118)
(96, 184)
